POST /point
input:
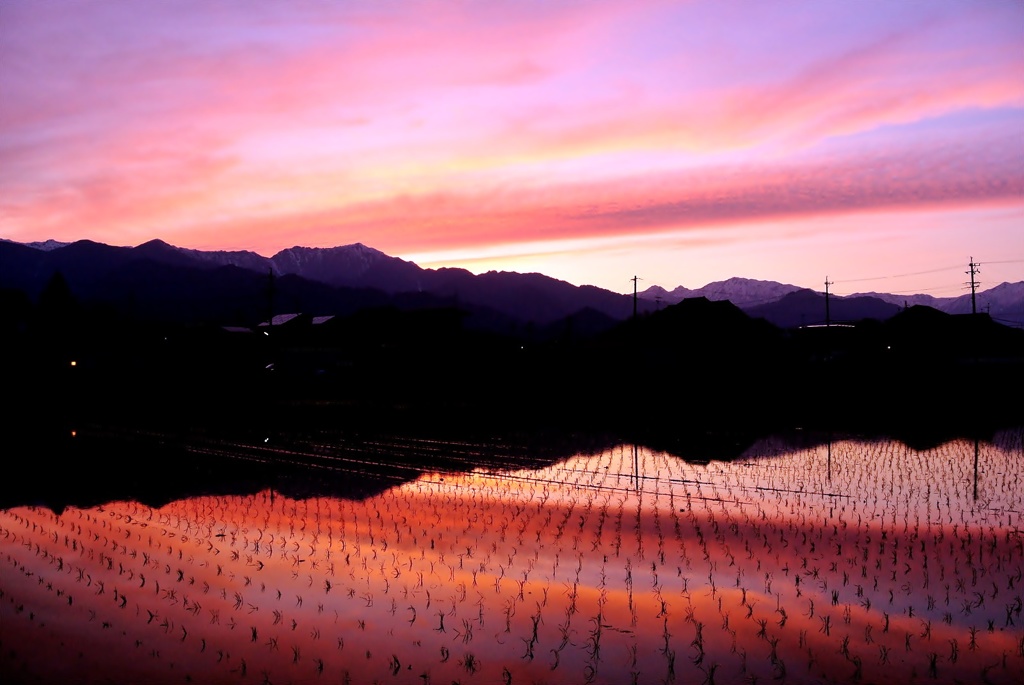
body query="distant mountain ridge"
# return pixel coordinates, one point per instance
(314, 280)
(349, 265)
(789, 305)
(742, 292)
(1004, 298)
(96, 269)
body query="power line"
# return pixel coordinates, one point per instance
(973, 284)
(913, 273)
(1005, 261)
(922, 291)
(927, 271)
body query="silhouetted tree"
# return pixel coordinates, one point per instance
(56, 303)
(57, 320)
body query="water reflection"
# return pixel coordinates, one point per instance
(838, 563)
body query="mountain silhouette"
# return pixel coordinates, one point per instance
(315, 280)
(806, 307)
(159, 281)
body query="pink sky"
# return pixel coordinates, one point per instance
(684, 142)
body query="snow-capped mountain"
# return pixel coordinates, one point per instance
(351, 266)
(351, 260)
(742, 292)
(44, 245)
(240, 258)
(1004, 300)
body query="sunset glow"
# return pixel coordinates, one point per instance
(683, 142)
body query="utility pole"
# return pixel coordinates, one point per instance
(972, 271)
(634, 279)
(828, 316)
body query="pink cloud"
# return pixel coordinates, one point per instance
(648, 205)
(419, 126)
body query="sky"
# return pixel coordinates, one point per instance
(877, 144)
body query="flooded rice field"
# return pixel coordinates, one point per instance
(850, 561)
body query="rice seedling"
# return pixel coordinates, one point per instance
(606, 568)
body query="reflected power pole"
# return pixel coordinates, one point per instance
(976, 450)
(636, 466)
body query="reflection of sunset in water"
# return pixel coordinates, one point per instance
(863, 561)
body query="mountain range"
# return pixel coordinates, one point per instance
(778, 302)
(238, 287)
(172, 339)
